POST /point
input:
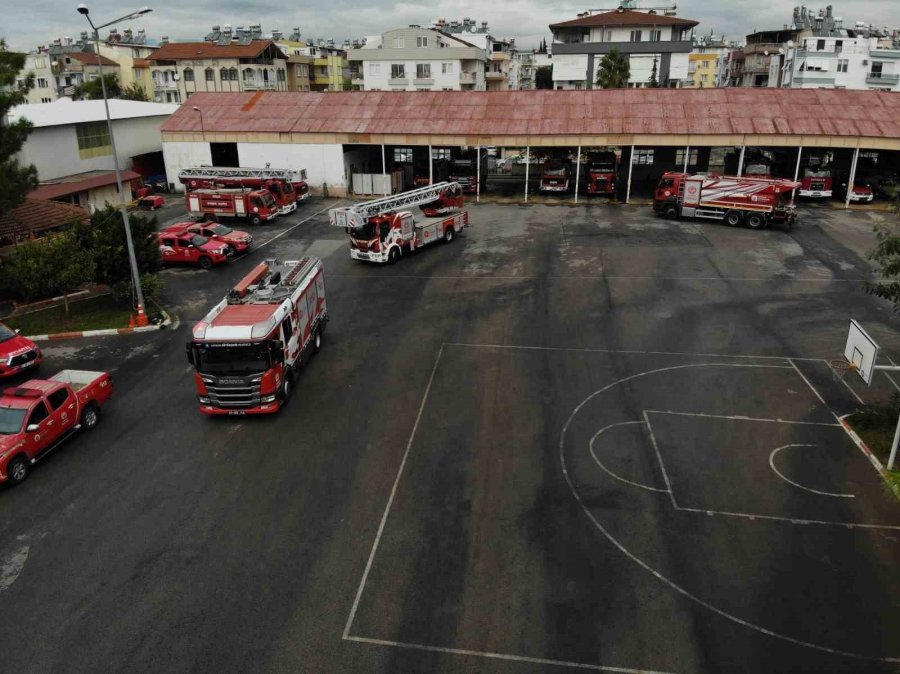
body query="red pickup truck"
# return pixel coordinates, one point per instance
(37, 416)
(17, 353)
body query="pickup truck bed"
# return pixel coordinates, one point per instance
(77, 379)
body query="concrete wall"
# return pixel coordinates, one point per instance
(180, 155)
(623, 34)
(377, 75)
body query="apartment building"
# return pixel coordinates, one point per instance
(705, 63)
(419, 59)
(38, 64)
(502, 69)
(129, 49)
(857, 60)
(644, 37)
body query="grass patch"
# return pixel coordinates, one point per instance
(96, 313)
(876, 424)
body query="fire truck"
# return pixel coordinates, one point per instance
(555, 175)
(381, 232)
(248, 349)
(257, 206)
(816, 182)
(756, 202)
(601, 173)
(464, 170)
(282, 183)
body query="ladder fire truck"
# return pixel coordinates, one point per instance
(756, 202)
(257, 206)
(282, 183)
(246, 351)
(380, 232)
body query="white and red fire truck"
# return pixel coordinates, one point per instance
(247, 350)
(756, 202)
(556, 175)
(284, 184)
(257, 206)
(816, 182)
(601, 173)
(380, 231)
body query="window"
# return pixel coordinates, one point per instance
(447, 68)
(644, 157)
(423, 71)
(232, 74)
(302, 71)
(249, 74)
(636, 35)
(440, 153)
(46, 100)
(58, 398)
(210, 75)
(398, 71)
(655, 36)
(280, 75)
(188, 75)
(820, 45)
(876, 69)
(400, 43)
(42, 82)
(838, 46)
(223, 75)
(374, 69)
(679, 157)
(287, 330)
(38, 414)
(93, 139)
(421, 42)
(403, 155)
(842, 65)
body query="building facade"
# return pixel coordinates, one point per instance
(129, 49)
(842, 63)
(706, 63)
(419, 59)
(644, 38)
(45, 89)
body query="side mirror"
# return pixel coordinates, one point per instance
(189, 348)
(31, 427)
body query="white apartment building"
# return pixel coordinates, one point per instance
(418, 59)
(40, 65)
(841, 63)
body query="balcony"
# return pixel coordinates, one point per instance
(762, 48)
(494, 76)
(423, 82)
(499, 56)
(259, 85)
(165, 85)
(398, 81)
(466, 77)
(883, 79)
(357, 82)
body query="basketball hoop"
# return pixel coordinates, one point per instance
(840, 367)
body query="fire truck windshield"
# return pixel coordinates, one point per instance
(269, 200)
(364, 233)
(234, 360)
(274, 188)
(11, 420)
(817, 173)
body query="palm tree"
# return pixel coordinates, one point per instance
(653, 83)
(614, 71)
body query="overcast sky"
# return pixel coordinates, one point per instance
(39, 21)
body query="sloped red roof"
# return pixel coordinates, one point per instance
(35, 215)
(79, 183)
(625, 17)
(191, 51)
(89, 59)
(141, 63)
(728, 111)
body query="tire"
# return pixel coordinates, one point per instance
(287, 388)
(317, 341)
(17, 470)
(256, 221)
(733, 218)
(90, 417)
(756, 221)
(449, 234)
(206, 263)
(393, 255)
(671, 212)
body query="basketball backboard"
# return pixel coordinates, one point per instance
(861, 351)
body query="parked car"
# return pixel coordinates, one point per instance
(236, 239)
(39, 415)
(181, 247)
(862, 192)
(17, 353)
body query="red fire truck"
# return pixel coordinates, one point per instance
(816, 182)
(756, 202)
(555, 175)
(601, 173)
(247, 351)
(380, 231)
(257, 206)
(284, 184)
(464, 170)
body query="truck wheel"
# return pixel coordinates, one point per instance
(671, 212)
(90, 417)
(756, 221)
(733, 218)
(17, 470)
(448, 235)
(394, 255)
(255, 220)
(205, 262)
(287, 388)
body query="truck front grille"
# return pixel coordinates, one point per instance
(23, 358)
(237, 397)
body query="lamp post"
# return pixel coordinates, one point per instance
(202, 130)
(135, 274)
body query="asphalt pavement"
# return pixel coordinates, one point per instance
(567, 440)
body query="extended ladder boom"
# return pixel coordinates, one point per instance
(214, 172)
(356, 215)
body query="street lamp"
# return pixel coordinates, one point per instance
(135, 274)
(202, 130)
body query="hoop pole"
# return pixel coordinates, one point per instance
(893, 456)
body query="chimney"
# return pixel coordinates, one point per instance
(164, 40)
(217, 29)
(68, 41)
(276, 35)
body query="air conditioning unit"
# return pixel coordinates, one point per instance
(865, 62)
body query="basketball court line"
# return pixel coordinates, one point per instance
(607, 470)
(796, 484)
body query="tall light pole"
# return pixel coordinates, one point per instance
(135, 273)
(202, 130)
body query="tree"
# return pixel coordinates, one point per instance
(134, 92)
(55, 264)
(543, 77)
(886, 255)
(92, 90)
(653, 83)
(105, 236)
(614, 71)
(15, 180)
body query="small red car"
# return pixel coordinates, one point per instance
(238, 240)
(17, 353)
(151, 203)
(182, 247)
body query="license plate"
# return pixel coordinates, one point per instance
(237, 413)
(30, 363)
(364, 256)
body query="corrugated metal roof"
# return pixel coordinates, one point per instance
(192, 51)
(80, 182)
(625, 17)
(549, 113)
(66, 111)
(37, 215)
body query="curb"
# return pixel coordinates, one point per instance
(868, 452)
(167, 321)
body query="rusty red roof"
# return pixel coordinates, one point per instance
(624, 17)
(192, 51)
(826, 112)
(90, 59)
(36, 215)
(80, 182)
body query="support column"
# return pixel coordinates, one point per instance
(687, 154)
(797, 170)
(430, 166)
(577, 173)
(387, 189)
(478, 174)
(527, 167)
(741, 161)
(630, 166)
(851, 179)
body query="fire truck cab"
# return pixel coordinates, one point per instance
(601, 173)
(816, 183)
(555, 175)
(248, 349)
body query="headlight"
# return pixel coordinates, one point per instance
(5, 361)
(268, 399)
(204, 401)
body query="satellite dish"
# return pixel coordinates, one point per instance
(176, 76)
(790, 43)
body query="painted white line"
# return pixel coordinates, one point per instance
(607, 470)
(738, 418)
(390, 502)
(287, 231)
(791, 482)
(663, 579)
(704, 279)
(662, 466)
(792, 520)
(502, 656)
